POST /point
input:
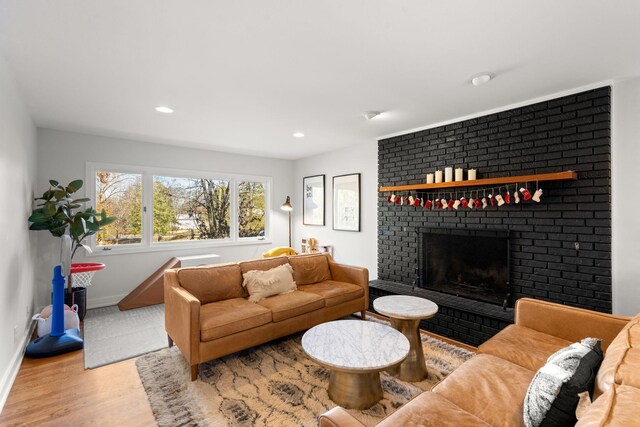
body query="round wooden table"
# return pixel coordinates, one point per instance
(355, 352)
(405, 313)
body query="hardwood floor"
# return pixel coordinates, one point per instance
(58, 391)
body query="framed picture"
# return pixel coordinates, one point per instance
(346, 202)
(313, 200)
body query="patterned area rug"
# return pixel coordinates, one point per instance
(111, 335)
(271, 385)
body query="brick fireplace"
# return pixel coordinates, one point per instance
(559, 249)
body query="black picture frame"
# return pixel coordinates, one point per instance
(346, 202)
(313, 200)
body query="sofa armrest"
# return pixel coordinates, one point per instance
(350, 274)
(566, 322)
(338, 417)
(182, 317)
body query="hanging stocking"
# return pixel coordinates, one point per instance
(484, 203)
(427, 204)
(410, 199)
(478, 204)
(525, 193)
(463, 201)
(516, 197)
(451, 203)
(444, 203)
(536, 196)
(390, 198)
(500, 200)
(417, 202)
(398, 200)
(507, 198)
(492, 200)
(438, 204)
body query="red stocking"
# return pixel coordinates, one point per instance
(525, 193)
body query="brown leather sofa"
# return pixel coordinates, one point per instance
(489, 388)
(207, 314)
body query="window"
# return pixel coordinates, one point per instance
(251, 198)
(120, 195)
(161, 208)
(190, 209)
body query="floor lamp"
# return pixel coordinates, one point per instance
(286, 206)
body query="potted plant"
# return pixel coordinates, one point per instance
(59, 213)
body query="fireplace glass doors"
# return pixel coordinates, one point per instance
(467, 263)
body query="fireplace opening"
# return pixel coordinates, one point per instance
(467, 263)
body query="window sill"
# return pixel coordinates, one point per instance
(119, 250)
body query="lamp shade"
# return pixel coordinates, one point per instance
(286, 206)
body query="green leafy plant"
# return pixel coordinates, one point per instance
(59, 212)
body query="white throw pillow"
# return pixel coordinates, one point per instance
(262, 284)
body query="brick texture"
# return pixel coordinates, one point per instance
(568, 133)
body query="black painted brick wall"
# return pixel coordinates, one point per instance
(568, 133)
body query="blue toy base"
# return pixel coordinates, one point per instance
(47, 346)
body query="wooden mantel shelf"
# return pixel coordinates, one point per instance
(556, 176)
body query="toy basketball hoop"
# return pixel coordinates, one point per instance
(82, 273)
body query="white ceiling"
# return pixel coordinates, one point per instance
(243, 76)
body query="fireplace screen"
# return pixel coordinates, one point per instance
(474, 265)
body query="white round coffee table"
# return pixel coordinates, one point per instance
(405, 313)
(354, 352)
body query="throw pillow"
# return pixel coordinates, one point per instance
(553, 395)
(262, 284)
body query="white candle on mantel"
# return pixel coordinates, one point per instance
(429, 178)
(459, 174)
(471, 174)
(448, 174)
(438, 176)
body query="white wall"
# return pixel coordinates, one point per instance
(625, 149)
(63, 156)
(17, 175)
(350, 247)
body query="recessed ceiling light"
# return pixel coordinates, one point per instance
(299, 135)
(481, 79)
(165, 110)
(370, 114)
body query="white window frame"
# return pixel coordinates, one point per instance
(147, 244)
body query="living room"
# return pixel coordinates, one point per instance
(81, 82)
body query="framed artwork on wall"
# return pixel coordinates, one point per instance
(313, 200)
(346, 202)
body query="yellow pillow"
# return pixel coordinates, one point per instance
(263, 284)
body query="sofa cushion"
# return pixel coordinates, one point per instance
(523, 346)
(620, 364)
(618, 406)
(553, 395)
(309, 269)
(262, 264)
(222, 318)
(292, 304)
(432, 410)
(262, 284)
(210, 284)
(333, 292)
(488, 387)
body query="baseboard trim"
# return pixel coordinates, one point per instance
(104, 301)
(14, 367)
